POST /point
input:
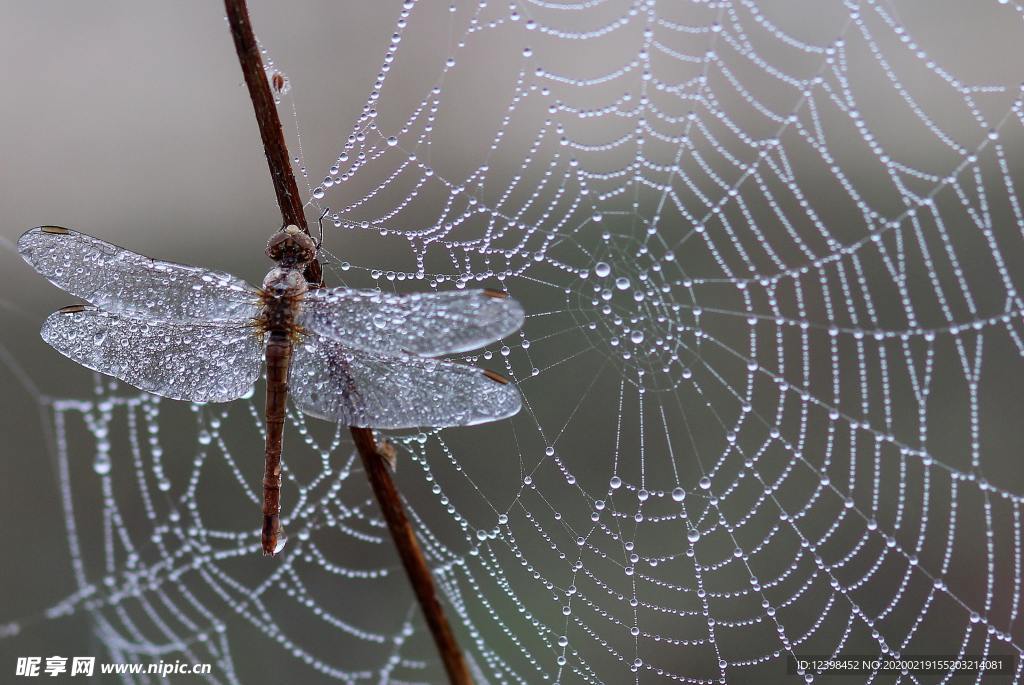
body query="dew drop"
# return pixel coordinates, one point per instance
(101, 465)
(602, 269)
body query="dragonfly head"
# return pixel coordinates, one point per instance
(291, 247)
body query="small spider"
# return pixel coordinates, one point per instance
(279, 82)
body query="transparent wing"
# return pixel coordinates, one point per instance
(123, 282)
(207, 362)
(425, 324)
(359, 388)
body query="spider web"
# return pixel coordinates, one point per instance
(768, 259)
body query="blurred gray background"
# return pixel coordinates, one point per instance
(129, 121)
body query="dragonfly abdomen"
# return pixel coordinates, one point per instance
(278, 319)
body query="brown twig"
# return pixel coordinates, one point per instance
(266, 114)
(374, 457)
(274, 145)
(379, 473)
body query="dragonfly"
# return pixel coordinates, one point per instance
(359, 357)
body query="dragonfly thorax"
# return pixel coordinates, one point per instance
(282, 281)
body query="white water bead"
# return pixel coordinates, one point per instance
(102, 465)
